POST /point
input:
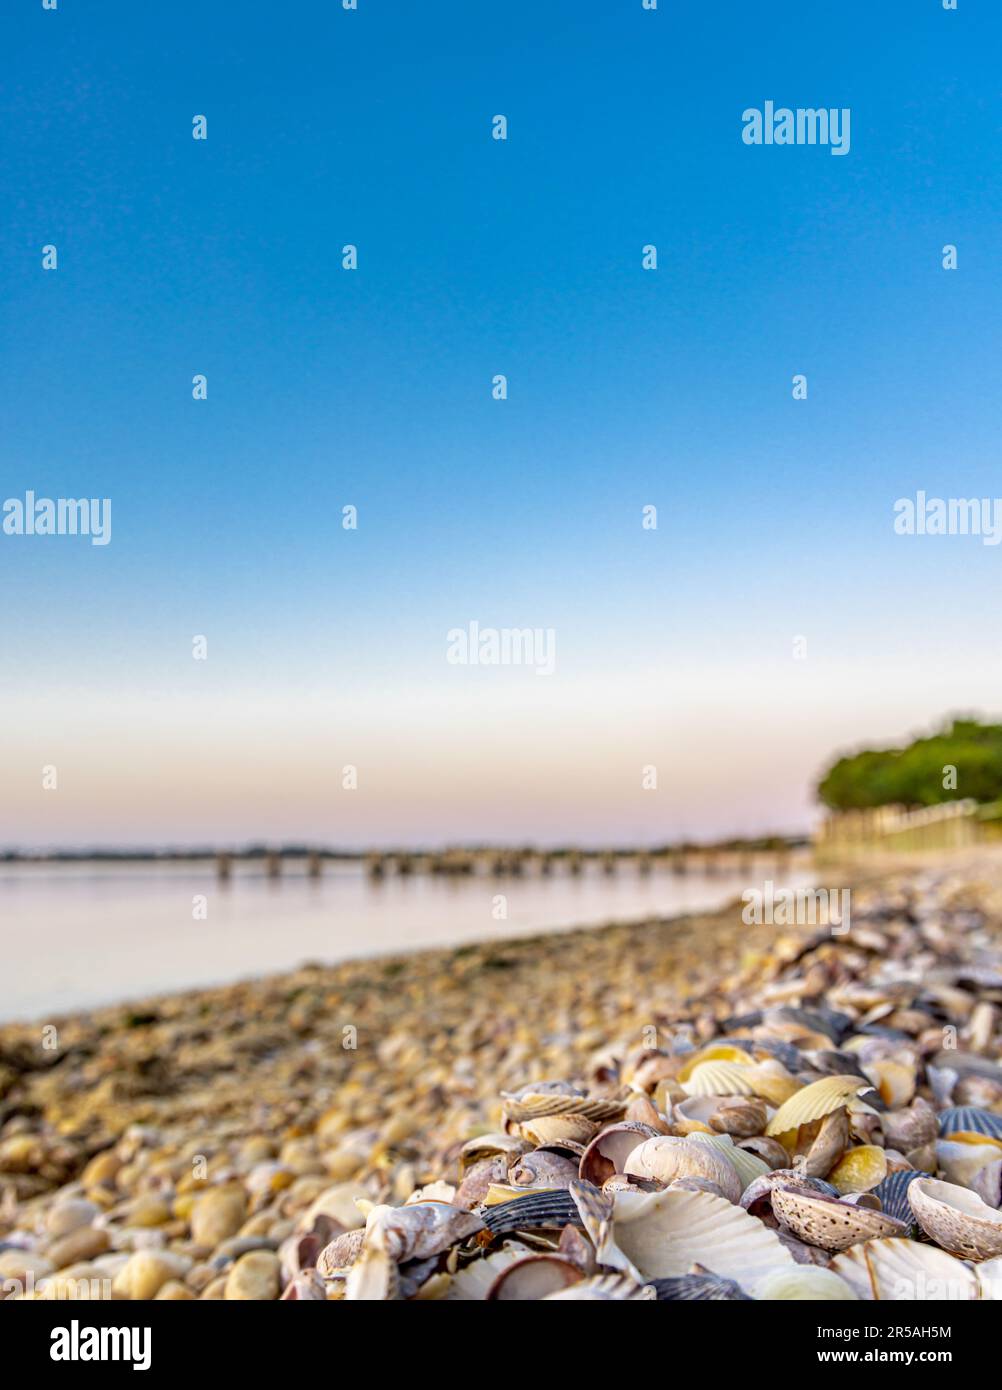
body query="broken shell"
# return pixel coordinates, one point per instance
(829, 1223)
(859, 1170)
(819, 1099)
(542, 1168)
(956, 1219)
(533, 1278)
(418, 1231)
(665, 1158)
(896, 1269)
(692, 1115)
(665, 1233)
(608, 1151)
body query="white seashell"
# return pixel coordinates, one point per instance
(809, 1283)
(956, 1219)
(665, 1158)
(894, 1269)
(665, 1233)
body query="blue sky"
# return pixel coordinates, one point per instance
(372, 387)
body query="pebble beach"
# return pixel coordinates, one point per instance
(685, 1109)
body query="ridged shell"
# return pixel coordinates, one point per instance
(893, 1194)
(665, 1158)
(720, 1079)
(611, 1288)
(989, 1276)
(970, 1120)
(859, 1170)
(536, 1211)
(816, 1101)
(895, 1269)
(665, 1233)
(534, 1105)
(957, 1219)
(805, 1283)
(828, 1223)
(699, 1288)
(716, 1052)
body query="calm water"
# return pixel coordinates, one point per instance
(78, 935)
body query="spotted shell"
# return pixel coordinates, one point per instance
(956, 1219)
(829, 1223)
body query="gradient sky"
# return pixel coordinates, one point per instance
(373, 388)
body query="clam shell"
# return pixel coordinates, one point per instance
(692, 1115)
(859, 1170)
(970, 1120)
(956, 1219)
(739, 1116)
(543, 1168)
(418, 1231)
(608, 1151)
(770, 1151)
(816, 1101)
(665, 1233)
(533, 1278)
(807, 1283)
(536, 1211)
(665, 1158)
(612, 1288)
(699, 1288)
(896, 1269)
(829, 1223)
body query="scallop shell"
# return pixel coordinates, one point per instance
(720, 1079)
(956, 1219)
(817, 1100)
(536, 1211)
(608, 1151)
(699, 1288)
(716, 1052)
(531, 1105)
(970, 1120)
(896, 1269)
(989, 1276)
(859, 1170)
(533, 1278)
(805, 1283)
(893, 1194)
(829, 1223)
(665, 1233)
(665, 1158)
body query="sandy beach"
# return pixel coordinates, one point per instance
(214, 1143)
